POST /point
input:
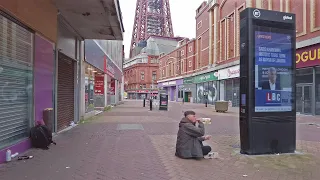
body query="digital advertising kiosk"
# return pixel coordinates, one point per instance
(267, 82)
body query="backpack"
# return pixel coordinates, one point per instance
(41, 137)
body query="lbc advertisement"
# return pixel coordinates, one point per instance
(273, 69)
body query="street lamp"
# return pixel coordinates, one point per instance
(205, 93)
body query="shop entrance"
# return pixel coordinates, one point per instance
(187, 96)
(304, 98)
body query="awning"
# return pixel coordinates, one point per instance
(93, 19)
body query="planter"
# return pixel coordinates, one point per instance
(221, 106)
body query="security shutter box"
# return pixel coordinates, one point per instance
(16, 81)
(65, 91)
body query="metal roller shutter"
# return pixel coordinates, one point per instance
(16, 82)
(65, 91)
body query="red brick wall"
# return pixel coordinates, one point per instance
(180, 59)
(132, 75)
(202, 37)
(227, 30)
(307, 11)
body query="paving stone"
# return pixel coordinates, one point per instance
(132, 143)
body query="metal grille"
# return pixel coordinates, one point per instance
(65, 91)
(16, 79)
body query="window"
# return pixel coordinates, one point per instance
(163, 72)
(190, 49)
(190, 63)
(154, 75)
(144, 86)
(182, 52)
(182, 67)
(169, 69)
(199, 25)
(142, 75)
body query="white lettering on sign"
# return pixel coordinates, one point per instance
(169, 83)
(287, 17)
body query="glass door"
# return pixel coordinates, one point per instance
(307, 99)
(304, 99)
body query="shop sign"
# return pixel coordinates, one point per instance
(108, 69)
(169, 83)
(231, 72)
(142, 91)
(188, 80)
(212, 76)
(99, 84)
(308, 56)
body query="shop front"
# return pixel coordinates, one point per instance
(229, 84)
(114, 81)
(201, 88)
(94, 88)
(105, 87)
(142, 94)
(171, 88)
(308, 80)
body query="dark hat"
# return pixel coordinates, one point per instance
(189, 113)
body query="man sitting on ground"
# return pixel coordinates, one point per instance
(190, 137)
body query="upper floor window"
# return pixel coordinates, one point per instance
(190, 49)
(182, 52)
(199, 25)
(190, 63)
(142, 75)
(154, 75)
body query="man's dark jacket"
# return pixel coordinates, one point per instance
(189, 140)
(266, 85)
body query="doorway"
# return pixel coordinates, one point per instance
(304, 98)
(187, 96)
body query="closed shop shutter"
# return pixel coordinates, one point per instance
(65, 91)
(16, 79)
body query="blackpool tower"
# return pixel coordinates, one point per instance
(152, 17)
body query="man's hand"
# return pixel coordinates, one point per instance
(207, 137)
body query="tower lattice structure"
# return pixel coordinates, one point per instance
(153, 17)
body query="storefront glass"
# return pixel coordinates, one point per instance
(199, 94)
(317, 99)
(230, 90)
(304, 90)
(213, 93)
(93, 99)
(190, 91)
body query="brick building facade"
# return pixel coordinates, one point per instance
(216, 68)
(141, 78)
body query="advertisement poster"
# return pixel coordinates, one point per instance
(99, 84)
(273, 68)
(112, 87)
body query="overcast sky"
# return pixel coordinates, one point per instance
(182, 14)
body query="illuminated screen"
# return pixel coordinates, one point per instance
(273, 69)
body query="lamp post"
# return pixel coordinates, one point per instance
(205, 93)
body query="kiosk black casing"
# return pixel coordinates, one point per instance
(264, 132)
(163, 102)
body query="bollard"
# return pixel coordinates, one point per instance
(150, 104)
(144, 102)
(206, 103)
